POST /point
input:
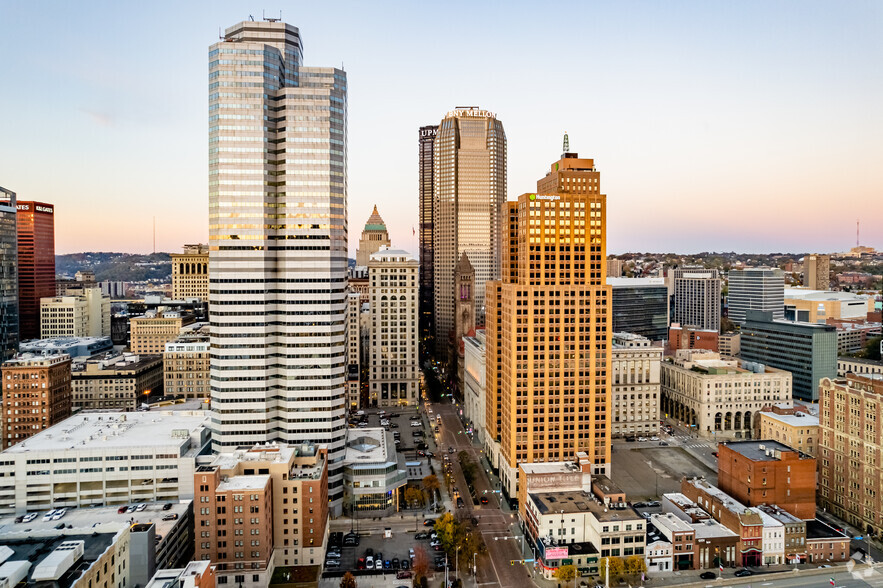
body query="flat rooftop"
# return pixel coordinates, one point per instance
(552, 467)
(235, 483)
(636, 282)
(368, 446)
(576, 501)
(710, 528)
(35, 549)
(799, 419)
(671, 523)
(117, 430)
(762, 449)
(816, 529)
(103, 519)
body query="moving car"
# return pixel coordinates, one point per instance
(708, 576)
(484, 500)
(743, 573)
(428, 522)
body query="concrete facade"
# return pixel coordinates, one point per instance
(635, 366)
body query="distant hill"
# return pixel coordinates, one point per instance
(123, 267)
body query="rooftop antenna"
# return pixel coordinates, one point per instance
(566, 143)
(251, 18)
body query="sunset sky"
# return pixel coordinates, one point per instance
(746, 126)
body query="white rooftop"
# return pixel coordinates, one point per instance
(101, 518)
(768, 521)
(821, 295)
(670, 522)
(386, 254)
(553, 467)
(640, 282)
(234, 483)
(364, 446)
(115, 430)
(711, 528)
(798, 419)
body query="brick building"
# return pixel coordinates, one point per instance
(36, 395)
(686, 337)
(768, 472)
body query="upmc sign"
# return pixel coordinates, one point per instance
(556, 553)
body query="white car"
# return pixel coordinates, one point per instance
(415, 424)
(48, 516)
(141, 507)
(378, 565)
(369, 562)
(29, 518)
(654, 438)
(59, 513)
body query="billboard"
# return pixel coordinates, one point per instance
(556, 553)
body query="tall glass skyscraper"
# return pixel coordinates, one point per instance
(470, 202)
(426, 184)
(278, 244)
(8, 275)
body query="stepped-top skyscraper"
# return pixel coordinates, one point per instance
(278, 243)
(469, 199)
(426, 185)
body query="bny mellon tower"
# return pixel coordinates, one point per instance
(278, 244)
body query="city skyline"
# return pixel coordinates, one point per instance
(679, 96)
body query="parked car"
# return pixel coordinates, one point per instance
(395, 563)
(428, 522)
(387, 564)
(122, 509)
(29, 517)
(19, 519)
(405, 564)
(48, 516)
(403, 575)
(332, 563)
(360, 565)
(378, 565)
(450, 450)
(369, 562)
(708, 576)
(167, 506)
(141, 506)
(421, 535)
(59, 513)
(415, 423)
(743, 573)
(59, 526)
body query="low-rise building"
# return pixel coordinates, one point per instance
(729, 344)
(773, 542)
(858, 366)
(768, 472)
(112, 458)
(36, 395)
(816, 306)
(794, 540)
(372, 475)
(853, 335)
(716, 545)
(682, 537)
(149, 334)
(116, 381)
(186, 363)
(283, 490)
(190, 273)
(799, 430)
(635, 365)
(76, 347)
(825, 544)
(719, 396)
(687, 337)
(196, 574)
(82, 312)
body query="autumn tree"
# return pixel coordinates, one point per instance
(566, 574)
(348, 581)
(431, 485)
(635, 564)
(414, 497)
(613, 566)
(421, 564)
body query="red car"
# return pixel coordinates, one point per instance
(360, 565)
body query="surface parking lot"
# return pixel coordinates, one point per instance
(396, 546)
(644, 473)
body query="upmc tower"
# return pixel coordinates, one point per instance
(36, 263)
(278, 244)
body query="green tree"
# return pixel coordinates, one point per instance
(635, 565)
(348, 581)
(566, 574)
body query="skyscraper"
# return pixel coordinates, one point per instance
(277, 243)
(817, 272)
(549, 326)
(756, 288)
(374, 236)
(36, 263)
(425, 187)
(697, 297)
(8, 275)
(469, 158)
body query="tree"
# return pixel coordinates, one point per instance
(348, 581)
(431, 485)
(413, 496)
(871, 349)
(566, 574)
(421, 563)
(635, 564)
(611, 565)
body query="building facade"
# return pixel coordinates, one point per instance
(798, 430)
(116, 381)
(186, 363)
(858, 366)
(149, 334)
(635, 365)
(640, 306)
(111, 458)
(277, 243)
(817, 271)
(696, 297)
(851, 450)
(374, 236)
(190, 273)
(755, 288)
(686, 337)
(729, 344)
(719, 398)
(469, 196)
(353, 352)
(548, 396)
(474, 390)
(36, 263)
(36, 395)
(83, 312)
(807, 350)
(372, 476)
(425, 189)
(395, 366)
(9, 331)
(814, 306)
(768, 472)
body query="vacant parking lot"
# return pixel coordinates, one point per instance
(650, 472)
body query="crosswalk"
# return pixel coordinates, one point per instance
(688, 441)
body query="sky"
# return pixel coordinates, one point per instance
(717, 126)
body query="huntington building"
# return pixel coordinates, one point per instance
(277, 244)
(469, 162)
